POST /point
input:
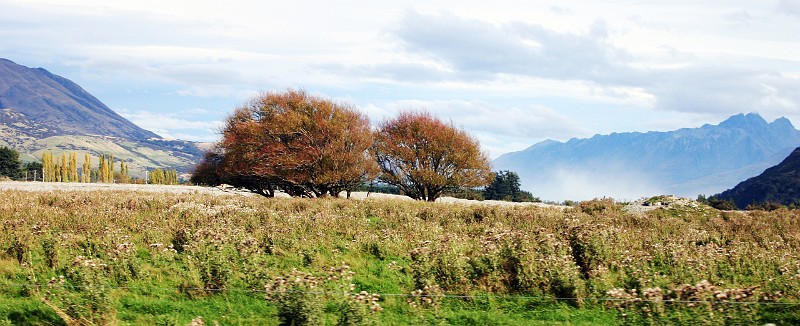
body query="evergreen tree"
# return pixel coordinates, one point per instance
(10, 164)
(506, 187)
(33, 169)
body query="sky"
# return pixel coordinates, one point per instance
(512, 73)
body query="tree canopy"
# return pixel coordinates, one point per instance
(10, 164)
(424, 156)
(306, 145)
(506, 186)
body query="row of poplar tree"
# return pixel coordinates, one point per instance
(64, 168)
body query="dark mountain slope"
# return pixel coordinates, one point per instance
(778, 184)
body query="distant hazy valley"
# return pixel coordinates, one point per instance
(684, 162)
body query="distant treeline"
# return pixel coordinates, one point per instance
(64, 168)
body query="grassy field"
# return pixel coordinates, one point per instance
(148, 258)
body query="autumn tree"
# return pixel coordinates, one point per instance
(86, 172)
(209, 172)
(106, 168)
(170, 177)
(73, 167)
(163, 176)
(101, 169)
(306, 145)
(64, 168)
(424, 156)
(48, 167)
(122, 176)
(110, 166)
(157, 176)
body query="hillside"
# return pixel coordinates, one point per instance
(684, 162)
(41, 111)
(778, 184)
(59, 106)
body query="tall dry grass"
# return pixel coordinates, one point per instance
(676, 265)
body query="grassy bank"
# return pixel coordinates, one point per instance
(145, 258)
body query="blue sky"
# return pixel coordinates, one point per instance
(511, 72)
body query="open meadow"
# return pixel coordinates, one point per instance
(134, 257)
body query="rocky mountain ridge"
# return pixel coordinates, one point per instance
(684, 162)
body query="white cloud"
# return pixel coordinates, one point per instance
(483, 50)
(474, 46)
(513, 75)
(479, 116)
(789, 7)
(169, 126)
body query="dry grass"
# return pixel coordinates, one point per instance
(203, 244)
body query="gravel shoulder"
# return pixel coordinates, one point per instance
(220, 191)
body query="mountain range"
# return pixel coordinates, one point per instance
(41, 111)
(685, 162)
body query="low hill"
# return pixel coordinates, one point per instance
(41, 111)
(778, 184)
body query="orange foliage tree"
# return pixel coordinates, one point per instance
(306, 145)
(424, 156)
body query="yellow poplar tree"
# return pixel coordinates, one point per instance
(110, 168)
(157, 176)
(73, 167)
(64, 168)
(56, 172)
(123, 177)
(102, 169)
(47, 167)
(87, 168)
